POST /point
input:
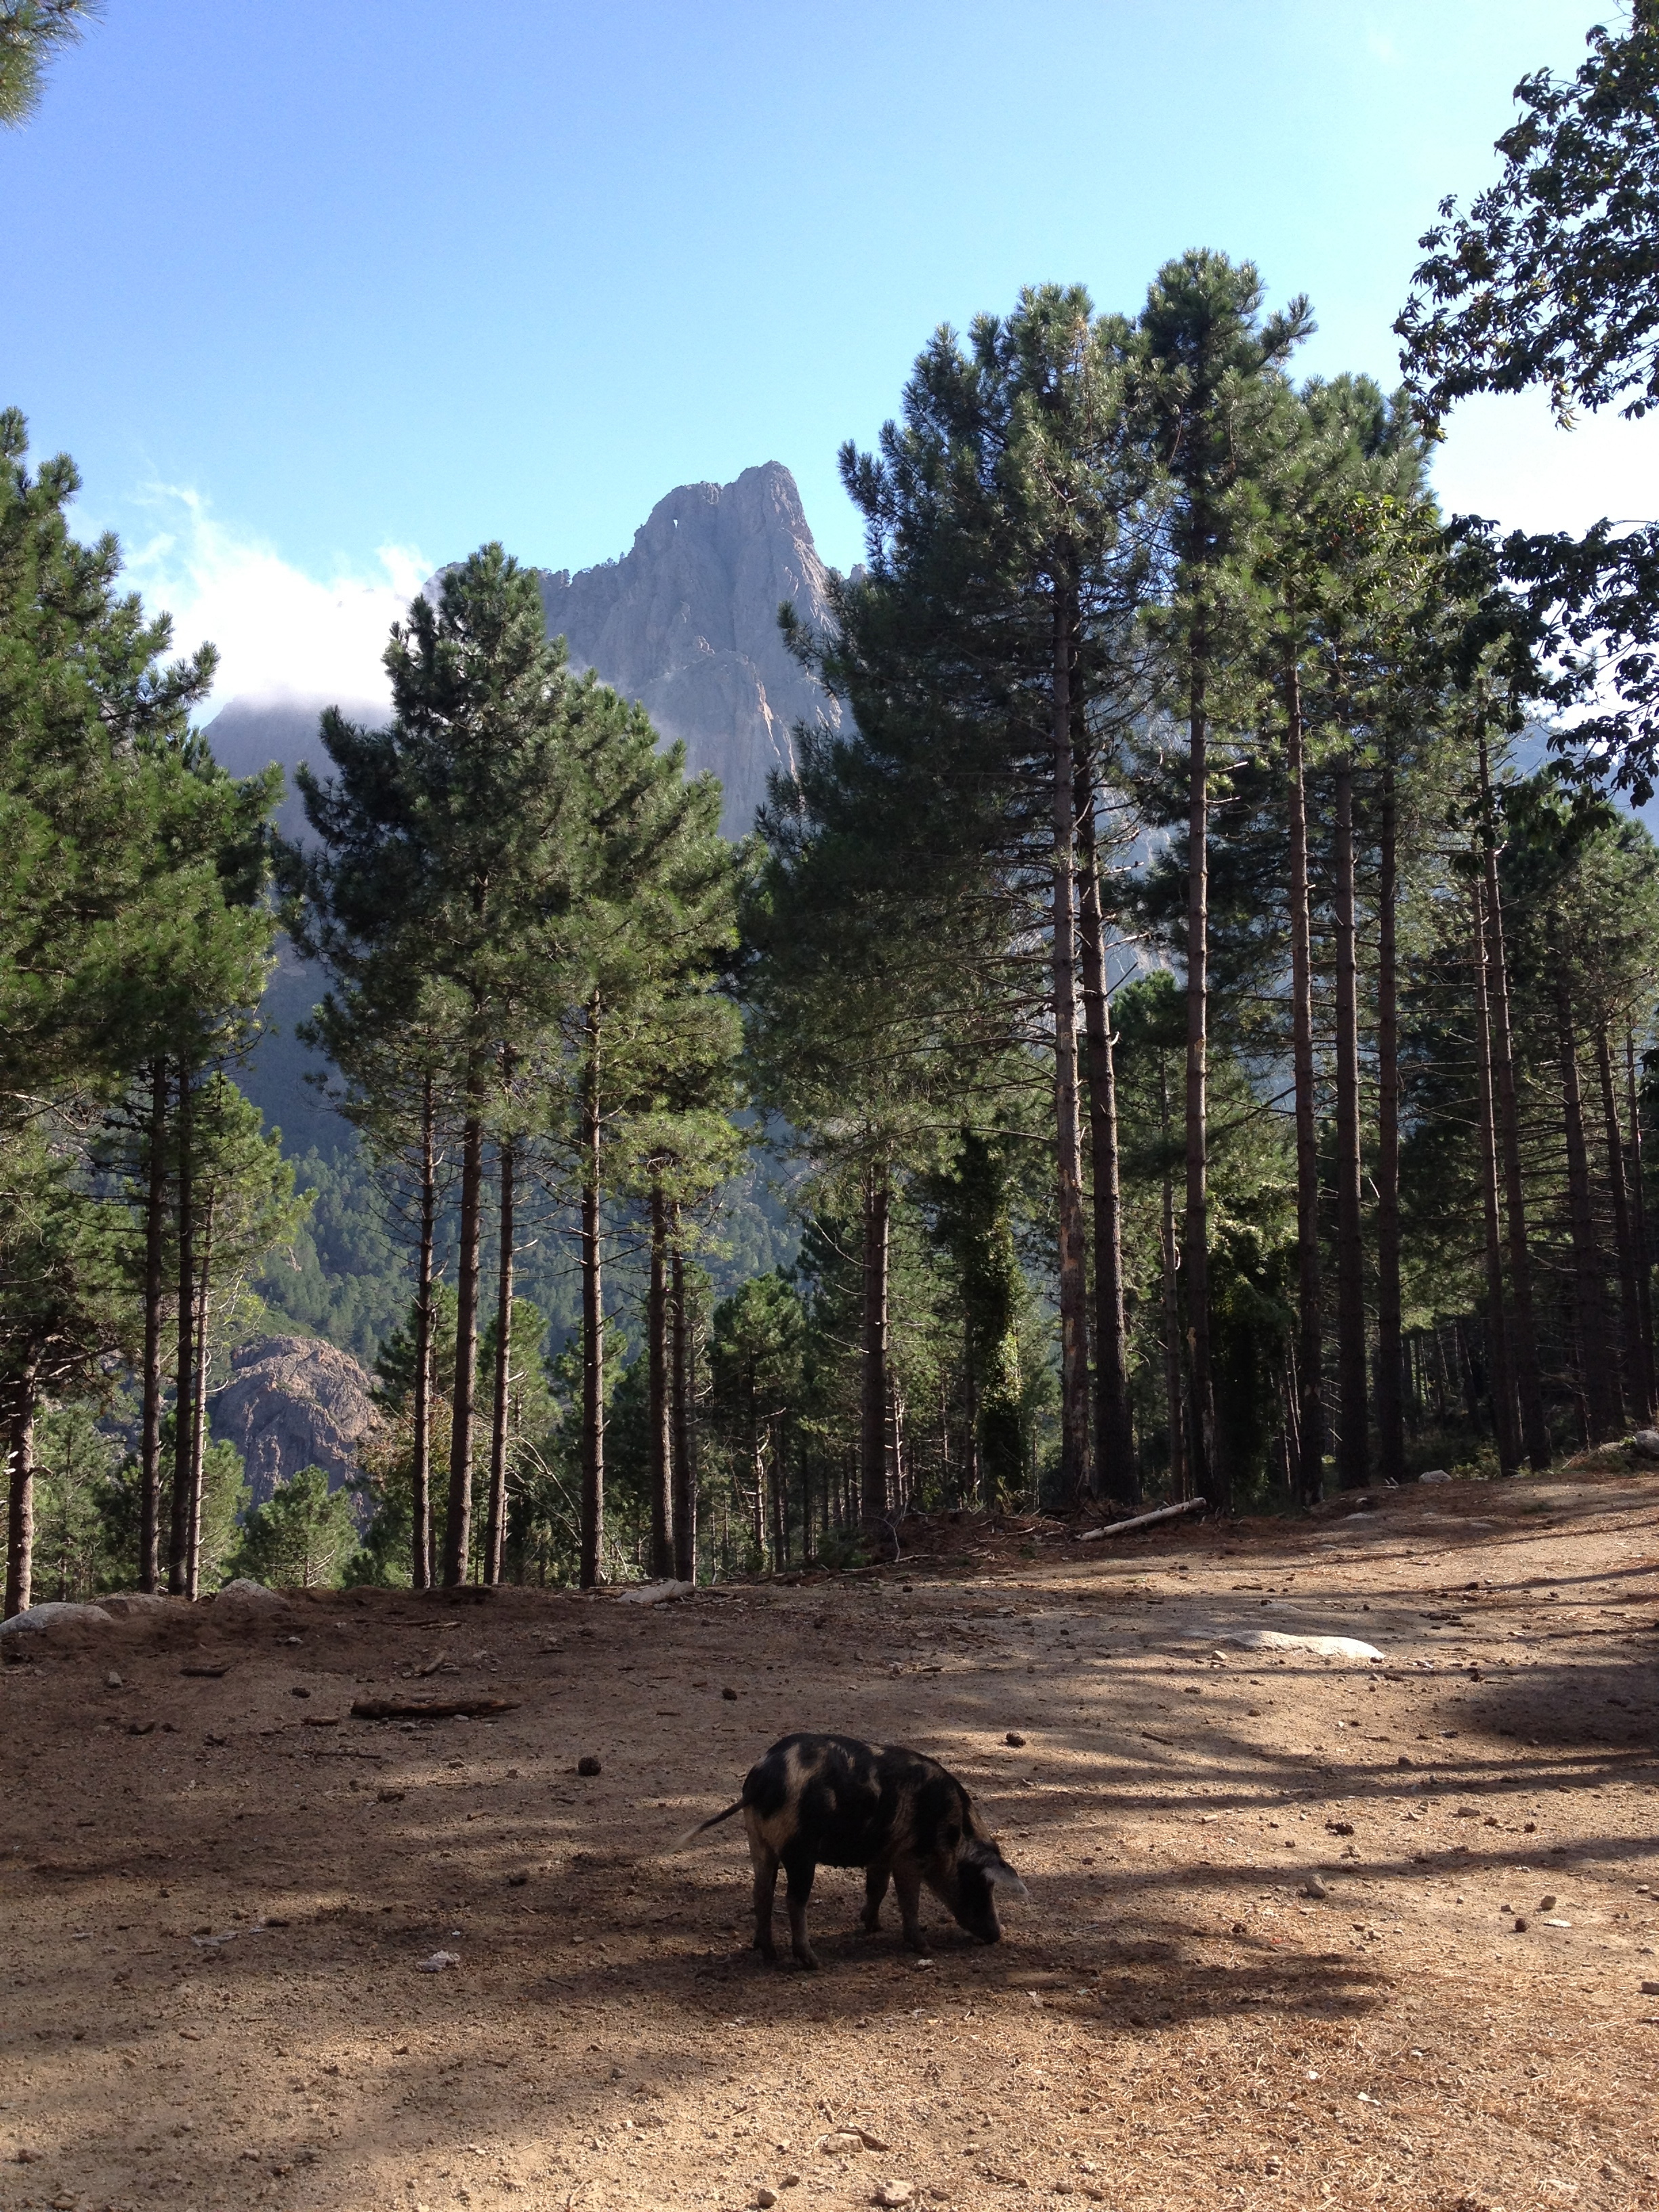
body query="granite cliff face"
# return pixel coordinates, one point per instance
(293, 1401)
(687, 624)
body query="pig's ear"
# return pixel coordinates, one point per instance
(1001, 1876)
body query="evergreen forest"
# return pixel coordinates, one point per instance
(1191, 1033)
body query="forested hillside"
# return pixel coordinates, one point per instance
(1182, 1026)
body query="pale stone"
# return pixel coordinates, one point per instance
(54, 1617)
(1274, 1640)
(245, 1591)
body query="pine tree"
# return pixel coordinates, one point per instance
(1208, 375)
(63, 1318)
(447, 860)
(643, 1035)
(984, 650)
(31, 32)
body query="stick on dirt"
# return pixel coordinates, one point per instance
(1144, 1520)
(428, 1709)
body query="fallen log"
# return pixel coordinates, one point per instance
(1144, 1520)
(429, 1709)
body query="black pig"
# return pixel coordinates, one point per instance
(831, 1799)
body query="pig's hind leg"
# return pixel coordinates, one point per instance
(875, 1888)
(766, 1883)
(799, 1873)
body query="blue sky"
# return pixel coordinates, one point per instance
(320, 296)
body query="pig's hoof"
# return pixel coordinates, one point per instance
(807, 1960)
(871, 1922)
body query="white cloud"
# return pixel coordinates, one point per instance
(280, 633)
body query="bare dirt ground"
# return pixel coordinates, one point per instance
(216, 1889)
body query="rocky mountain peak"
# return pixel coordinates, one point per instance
(686, 622)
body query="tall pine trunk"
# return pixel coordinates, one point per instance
(685, 1483)
(1114, 1454)
(421, 1536)
(155, 1229)
(1639, 1230)
(458, 1517)
(1523, 1333)
(1209, 1479)
(198, 1412)
(660, 1439)
(1074, 1455)
(184, 1392)
(1629, 1304)
(756, 1473)
(1180, 1486)
(1310, 1349)
(872, 1426)
(501, 1407)
(1499, 1376)
(20, 1489)
(1390, 1363)
(1353, 1414)
(592, 1503)
(1596, 1371)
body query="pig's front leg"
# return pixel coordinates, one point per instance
(875, 1888)
(907, 1887)
(766, 1883)
(800, 1872)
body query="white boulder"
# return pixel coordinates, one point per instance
(245, 1591)
(53, 1617)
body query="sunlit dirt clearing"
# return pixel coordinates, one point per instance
(217, 1890)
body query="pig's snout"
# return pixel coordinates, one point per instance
(974, 1905)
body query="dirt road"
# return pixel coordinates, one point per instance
(217, 1889)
